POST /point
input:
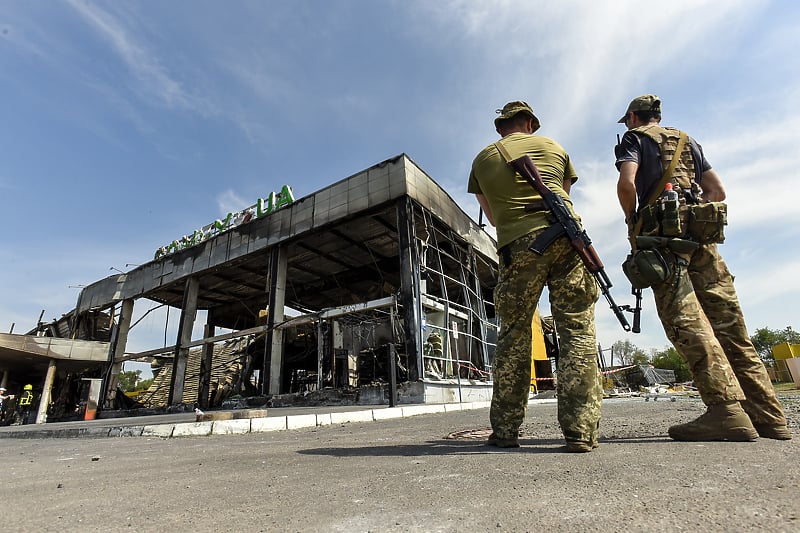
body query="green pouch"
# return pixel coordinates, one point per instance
(648, 216)
(706, 222)
(670, 219)
(645, 268)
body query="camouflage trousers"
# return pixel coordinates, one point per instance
(700, 311)
(573, 293)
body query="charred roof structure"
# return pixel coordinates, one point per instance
(378, 279)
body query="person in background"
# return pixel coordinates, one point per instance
(25, 403)
(4, 403)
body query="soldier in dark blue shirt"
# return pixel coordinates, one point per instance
(696, 300)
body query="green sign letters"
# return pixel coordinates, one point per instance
(262, 208)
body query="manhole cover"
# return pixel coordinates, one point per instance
(470, 434)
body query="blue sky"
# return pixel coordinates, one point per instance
(128, 124)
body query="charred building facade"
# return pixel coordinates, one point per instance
(378, 282)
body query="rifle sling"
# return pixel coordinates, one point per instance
(554, 230)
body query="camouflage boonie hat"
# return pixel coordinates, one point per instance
(647, 102)
(512, 108)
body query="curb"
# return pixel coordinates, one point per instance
(240, 426)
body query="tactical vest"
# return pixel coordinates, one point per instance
(702, 223)
(667, 139)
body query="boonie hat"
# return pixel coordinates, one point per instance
(647, 102)
(512, 108)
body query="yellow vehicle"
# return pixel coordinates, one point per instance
(544, 345)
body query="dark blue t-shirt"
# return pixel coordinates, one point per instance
(644, 151)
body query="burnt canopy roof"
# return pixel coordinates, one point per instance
(342, 247)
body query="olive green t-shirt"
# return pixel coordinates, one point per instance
(508, 193)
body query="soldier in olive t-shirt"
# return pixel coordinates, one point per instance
(508, 193)
(504, 195)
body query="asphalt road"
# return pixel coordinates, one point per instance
(404, 475)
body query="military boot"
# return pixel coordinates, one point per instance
(724, 421)
(773, 432)
(502, 442)
(576, 446)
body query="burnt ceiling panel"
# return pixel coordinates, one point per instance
(349, 262)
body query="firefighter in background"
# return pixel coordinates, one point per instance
(25, 403)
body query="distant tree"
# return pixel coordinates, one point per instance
(144, 384)
(128, 380)
(764, 339)
(670, 359)
(628, 353)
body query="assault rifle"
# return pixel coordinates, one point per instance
(565, 223)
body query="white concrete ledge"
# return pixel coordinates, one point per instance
(352, 416)
(231, 427)
(386, 414)
(159, 430)
(413, 410)
(262, 424)
(192, 429)
(275, 423)
(301, 421)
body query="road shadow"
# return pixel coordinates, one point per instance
(468, 447)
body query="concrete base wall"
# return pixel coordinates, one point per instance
(450, 391)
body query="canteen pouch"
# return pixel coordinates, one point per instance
(670, 219)
(648, 218)
(706, 222)
(645, 268)
(661, 219)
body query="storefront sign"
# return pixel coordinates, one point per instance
(262, 208)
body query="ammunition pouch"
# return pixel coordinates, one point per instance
(645, 268)
(649, 263)
(701, 223)
(661, 219)
(706, 222)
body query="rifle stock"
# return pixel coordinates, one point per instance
(565, 223)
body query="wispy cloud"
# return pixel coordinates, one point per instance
(153, 79)
(576, 68)
(757, 161)
(230, 201)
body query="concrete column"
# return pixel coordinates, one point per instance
(409, 287)
(47, 391)
(4, 380)
(392, 363)
(205, 368)
(356, 343)
(337, 345)
(117, 350)
(320, 352)
(188, 315)
(277, 297)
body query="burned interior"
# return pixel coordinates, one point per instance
(379, 282)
